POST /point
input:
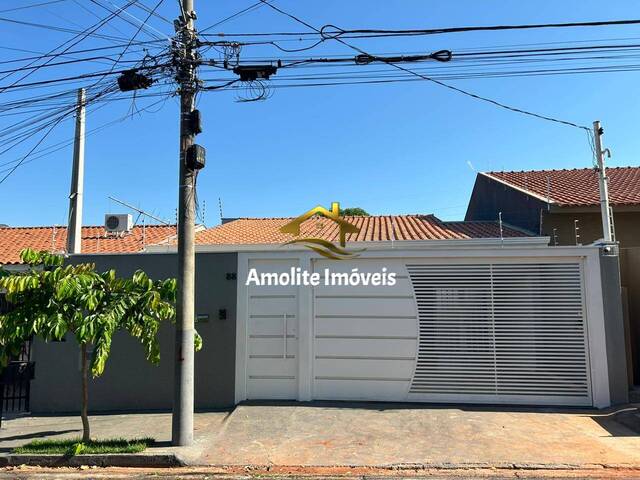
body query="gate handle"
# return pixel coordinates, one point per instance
(284, 355)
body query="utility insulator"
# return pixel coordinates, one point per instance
(195, 158)
(249, 73)
(196, 122)
(132, 80)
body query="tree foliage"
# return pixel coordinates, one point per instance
(353, 212)
(51, 299)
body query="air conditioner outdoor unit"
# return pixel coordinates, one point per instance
(118, 222)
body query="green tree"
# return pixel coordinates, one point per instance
(353, 212)
(51, 300)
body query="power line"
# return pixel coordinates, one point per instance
(438, 82)
(331, 31)
(253, 6)
(378, 80)
(142, 6)
(122, 10)
(59, 29)
(42, 139)
(67, 62)
(74, 41)
(93, 14)
(60, 145)
(336, 32)
(42, 56)
(76, 77)
(492, 57)
(145, 25)
(132, 39)
(31, 6)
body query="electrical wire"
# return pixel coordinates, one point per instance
(61, 145)
(142, 6)
(60, 29)
(56, 107)
(42, 139)
(31, 6)
(119, 12)
(144, 23)
(331, 31)
(42, 56)
(369, 33)
(73, 42)
(132, 39)
(253, 6)
(438, 82)
(76, 77)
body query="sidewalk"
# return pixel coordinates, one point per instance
(369, 435)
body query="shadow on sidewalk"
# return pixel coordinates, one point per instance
(623, 422)
(33, 436)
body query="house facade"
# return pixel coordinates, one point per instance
(477, 312)
(564, 205)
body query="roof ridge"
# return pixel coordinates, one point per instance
(551, 170)
(42, 227)
(346, 216)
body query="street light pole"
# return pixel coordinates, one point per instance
(183, 400)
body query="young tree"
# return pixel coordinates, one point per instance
(51, 300)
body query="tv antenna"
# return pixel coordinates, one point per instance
(140, 211)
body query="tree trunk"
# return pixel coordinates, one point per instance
(86, 431)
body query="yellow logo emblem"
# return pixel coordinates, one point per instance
(324, 247)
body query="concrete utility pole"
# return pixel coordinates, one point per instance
(607, 228)
(183, 404)
(74, 230)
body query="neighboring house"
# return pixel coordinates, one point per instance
(94, 240)
(15, 380)
(554, 202)
(384, 228)
(478, 312)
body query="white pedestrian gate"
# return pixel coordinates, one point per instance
(272, 345)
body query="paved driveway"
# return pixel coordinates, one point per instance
(341, 434)
(379, 434)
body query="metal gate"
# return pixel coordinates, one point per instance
(501, 332)
(15, 379)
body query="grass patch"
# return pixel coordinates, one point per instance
(77, 447)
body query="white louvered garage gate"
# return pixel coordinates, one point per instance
(463, 329)
(501, 332)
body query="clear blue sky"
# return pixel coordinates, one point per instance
(395, 148)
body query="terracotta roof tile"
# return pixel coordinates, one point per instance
(247, 231)
(94, 240)
(578, 187)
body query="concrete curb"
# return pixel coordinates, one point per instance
(419, 467)
(102, 460)
(168, 460)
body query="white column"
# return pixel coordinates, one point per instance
(596, 331)
(305, 334)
